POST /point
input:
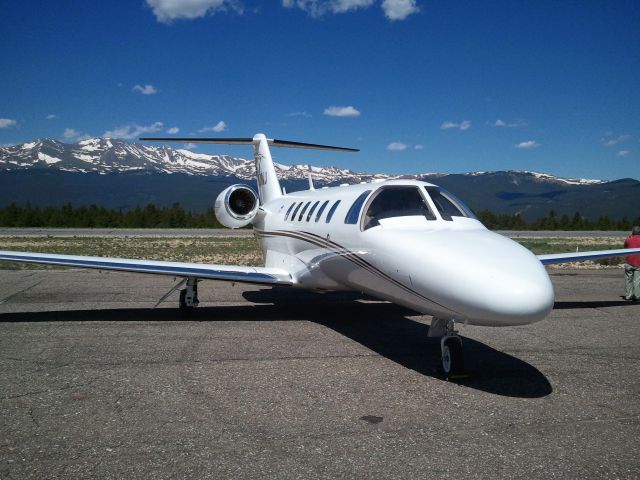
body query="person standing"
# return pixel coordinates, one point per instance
(632, 267)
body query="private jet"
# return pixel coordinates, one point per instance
(404, 241)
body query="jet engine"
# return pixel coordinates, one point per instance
(236, 206)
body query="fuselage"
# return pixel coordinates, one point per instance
(408, 242)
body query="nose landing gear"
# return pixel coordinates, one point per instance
(452, 357)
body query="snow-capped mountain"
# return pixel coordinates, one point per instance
(104, 155)
(118, 174)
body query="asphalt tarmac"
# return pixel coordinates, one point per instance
(279, 383)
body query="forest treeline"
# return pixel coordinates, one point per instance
(175, 216)
(149, 216)
(554, 222)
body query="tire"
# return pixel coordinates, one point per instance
(452, 357)
(184, 309)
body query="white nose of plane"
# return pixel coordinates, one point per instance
(484, 277)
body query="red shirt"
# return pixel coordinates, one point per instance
(633, 241)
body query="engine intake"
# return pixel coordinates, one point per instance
(236, 206)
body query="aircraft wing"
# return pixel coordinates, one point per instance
(231, 273)
(582, 256)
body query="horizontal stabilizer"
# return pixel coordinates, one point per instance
(313, 146)
(250, 141)
(226, 141)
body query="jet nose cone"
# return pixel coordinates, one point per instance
(515, 298)
(514, 290)
(484, 277)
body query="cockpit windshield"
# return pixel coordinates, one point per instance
(396, 202)
(447, 204)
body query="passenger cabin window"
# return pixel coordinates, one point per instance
(447, 204)
(322, 207)
(293, 215)
(396, 202)
(354, 211)
(332, 210)
(288, 212)
(303, 210)
(315, 205)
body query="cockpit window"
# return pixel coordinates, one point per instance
(447, 204)
(396, 202)
(354, 211)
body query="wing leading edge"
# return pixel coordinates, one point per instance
(582, 256)
(230, 273)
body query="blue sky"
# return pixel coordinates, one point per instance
(419, 86)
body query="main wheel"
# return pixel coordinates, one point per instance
(452, 357)
(185, 309)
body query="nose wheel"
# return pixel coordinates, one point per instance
(452, 357)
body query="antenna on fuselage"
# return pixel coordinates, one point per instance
(311, 187)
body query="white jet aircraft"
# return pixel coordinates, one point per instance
(409, 242)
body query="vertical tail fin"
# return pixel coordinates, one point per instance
(268, 184)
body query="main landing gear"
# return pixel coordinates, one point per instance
(189, 296)
(452, 357)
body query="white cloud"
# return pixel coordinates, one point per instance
(190, 146)
(418, 147)
(335, 111)
(70, 133)
(318, 8)
(167, 11)
(221, 126)
(145, 89)
(51, 116)
(502, 123)
(610, 142)
(300, 114)
(528, 145)
(7, 122)
(396, 146)
(392, 9)
(399, 9)
(133, 130)
(623, 153)
(74, 135)
(463, 125)
(173, 130)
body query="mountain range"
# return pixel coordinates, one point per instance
(118, 174)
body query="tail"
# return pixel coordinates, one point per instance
(268, 184)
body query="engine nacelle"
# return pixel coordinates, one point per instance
(236, 206)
